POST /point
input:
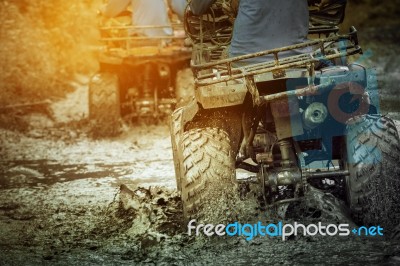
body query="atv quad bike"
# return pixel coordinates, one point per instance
(290, 125)
(140, 76)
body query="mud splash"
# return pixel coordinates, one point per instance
(120, 217)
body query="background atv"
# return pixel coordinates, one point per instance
(291, 126)
(141, 78)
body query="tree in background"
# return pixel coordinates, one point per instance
(42, 44)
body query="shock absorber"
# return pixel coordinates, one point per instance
(146, 82)
(286, 153)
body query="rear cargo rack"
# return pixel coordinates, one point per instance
(227, 69)
(128, 36)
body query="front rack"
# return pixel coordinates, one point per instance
(226, 70)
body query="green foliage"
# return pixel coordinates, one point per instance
(42, 44)
(372, 13)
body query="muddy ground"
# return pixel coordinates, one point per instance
(60, 203)
(66, 199)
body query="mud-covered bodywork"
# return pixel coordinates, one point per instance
(291, 123)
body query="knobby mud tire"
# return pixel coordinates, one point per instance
(104, 105)
(373, 156)
(208, 171)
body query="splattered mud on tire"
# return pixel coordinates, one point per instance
(209, 192)
(373, 188)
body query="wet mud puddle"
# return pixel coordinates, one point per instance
(43, 172)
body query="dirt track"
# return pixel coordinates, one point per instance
(60, 204)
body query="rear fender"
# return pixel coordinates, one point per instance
(180, 117)
(222, 94)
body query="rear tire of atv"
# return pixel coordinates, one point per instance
(208, 171)
(184, 87)
(373, 156)
(104, 105)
